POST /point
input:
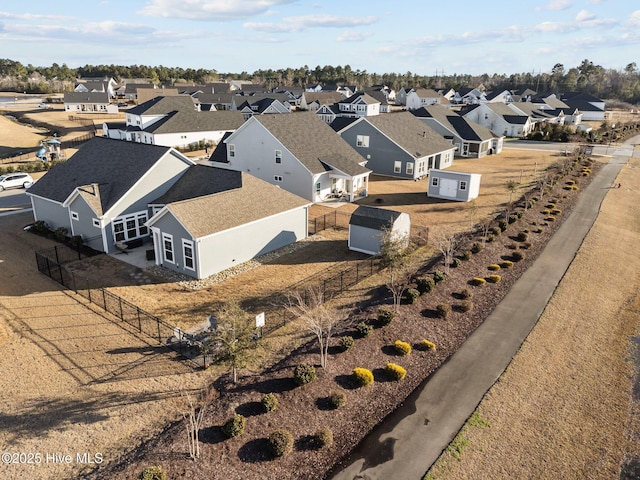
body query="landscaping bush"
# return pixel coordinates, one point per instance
(281, 442)
(323, 438)
(425, 284)
(466, 293)
(363, 376)
(496, 230)
(337, 399)
(478, 281)
(269, 402)
(522, 236)
(490, 238)
(550, 219)
(153, 473)
(476, 247)
(443, 310)
(411, 294)
(507, 264)
(494, 267)
(426, 345)
(467, 305)
(385, 316)
(438, 276)
(395, 372)
(513, 218)
(556, 211)
(403, 348)
(364, 329)
(234, 426)
(503, 225)
(304, 374)
(517, 256)
(346, 343)
(455, 263)
(466, 256)
(546, 211)
(494, 278)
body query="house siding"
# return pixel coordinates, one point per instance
(448, 190)
(369, 240)
(54, 214)
(91, 235)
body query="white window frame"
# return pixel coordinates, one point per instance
(188, 244)
(278, 156)
(139, 219)
(277, 178)
(232, 150)
(409, 168)
(318, 188)
(362, 141)
(96, 223)
(463, 185)
(168, 238)
(74, 215)
(397, 167)
(434, 181)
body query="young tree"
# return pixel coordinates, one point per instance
(310, 306)
(395, 255)
(447, 243)
(512, 187)
(193, 407)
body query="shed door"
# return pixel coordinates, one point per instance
(448, 187)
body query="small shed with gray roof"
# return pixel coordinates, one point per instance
(458, 186)
(368, 227)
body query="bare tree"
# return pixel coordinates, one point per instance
(395, 254)
(512, 187)
(448, 243)
(193, 407)
(310, 306)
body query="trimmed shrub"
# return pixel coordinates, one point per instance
(494, 278)
(556, 211)
(494, 267)
(523, 236)
(411, 295)
(455, 263)
(546, 211)
(425, 284)
(466, 293)
(476, 247)
(467, 305)
(346, 343)
(385, 315)
(364, 329)
(281, 442)
(517, 256)
(478, 281)
(438, 276)
(550, 219)
(466, 255)
(323, 438)
(304, 374)
(496, 230)
(507, 264)
(337, 399)
(153, 473)
(363, 376)
(513, 218)
(396, 372)
(426, 345)
(269, 402)
(503, 225)
(234, 426)
(443, 310)
(403, 348)
(490, 238)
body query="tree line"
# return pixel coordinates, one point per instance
(623, 85)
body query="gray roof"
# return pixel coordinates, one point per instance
(465, 129)
(115, 166)
(411, 134)
(373, 217)
(198, 181)
(192, 121)
(162, 105)
(86, 97)
(363, 96)
(236, 198)
(313, 142)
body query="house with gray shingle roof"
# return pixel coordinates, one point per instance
(212, 219)
(471, 139)
(360, 104)
(423, 96)
(500, 118)
(262, 106)
(101, 194)
(398, 144)
(88, 102)
(368, 227)
(297, 152)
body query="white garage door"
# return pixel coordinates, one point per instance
(448, 188)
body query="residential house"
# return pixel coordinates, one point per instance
(212, 219)
(101, 193)
(500, 118)
(88, 102)
(450, 185)
(592, 108)
(421, 97)
(401, 95)
(264, 106)
(397, 144)
(105, 84)
(313, 100)
(328, 113)
(130, 91)
(498, 96)
(388, 92)
(359, 105)
(207, 102)
(471, 139)
(572, 115)
(145, 94)
(299, 153)
(469, 96)
(369, 227)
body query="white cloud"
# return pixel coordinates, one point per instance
(584, 15)
(31, 16)
(556, 5)
(209, 9)
(297, 24)
(351, 36)
(634, 19)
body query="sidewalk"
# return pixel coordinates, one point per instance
(405, 446)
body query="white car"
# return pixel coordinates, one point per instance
(45, 106)
(15, 180)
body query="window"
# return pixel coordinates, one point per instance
(397, 167)
(463, 185)
(318, 187)
(187, 250)
(362, 141)
(167, 247)
(96, 222)
(232, 150)
(409, 168)
(434, 181)
(74, 216)
(129, 227)
(277, 178)
(278, 156)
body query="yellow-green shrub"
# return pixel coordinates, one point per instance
(363, 376)
(395, 371)
(494, 278)
(494, 267)
(478, 281)
(427, 345)
(507, 264)
(403, 348)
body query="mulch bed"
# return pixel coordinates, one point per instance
(304, 410)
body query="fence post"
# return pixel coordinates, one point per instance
(139, 320)
(55, 249)
(104, 299)
(120, 304)
(89, 292)
(48, 267)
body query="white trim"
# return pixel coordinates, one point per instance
(190, 244)
(168, 237)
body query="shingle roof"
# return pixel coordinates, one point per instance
(86, 97)
(310, 139)
(112, 164)
(198, 181)
(163, 105)
(466, 129)
(373, 217)
(246, 199)
(409, 133)
(365, 97)
(192, 121)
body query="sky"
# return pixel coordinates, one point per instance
(232, 36)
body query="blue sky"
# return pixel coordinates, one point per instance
(373, 35)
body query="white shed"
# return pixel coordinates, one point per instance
(458, 186)
(368, 226)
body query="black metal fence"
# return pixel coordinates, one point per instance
(333, 219)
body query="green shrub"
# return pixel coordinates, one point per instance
(513, 218)
(546, 211)
(550, 219)
(426, 345)
(507, 264)
(346, 343)
(304, 373)
(522, 236)
(403, 348)
(396, 372)
(281, 442)
(234, 426)
(269, 402)
(503, 225)
(337, 399)
(556, 211)
(41, 227)
(323, 438)
(411, 295)
(385, 315)
(494, 278)
(466, 306)
(490, 238)
(60, 233)
(438, 276)
(478, 281)
(153, 473)
(425, 284)
(476, 247)
(494, 267)
(443, 310)
(466, 293)
(496, 230)
(455, 263)
(363, 376)
(466, 255)
(364, 329)
(517, 256)
(519, 213)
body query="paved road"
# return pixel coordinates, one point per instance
(411, 440)
(15, 197)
